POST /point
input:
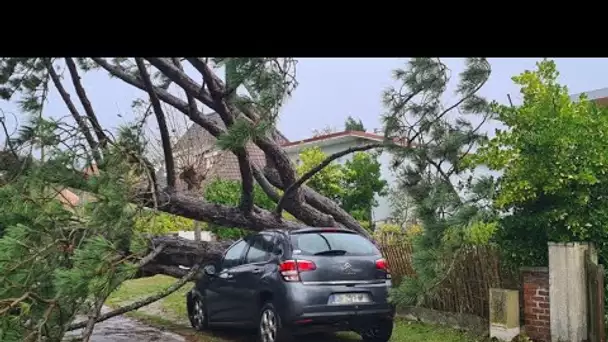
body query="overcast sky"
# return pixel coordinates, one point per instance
(330, 89)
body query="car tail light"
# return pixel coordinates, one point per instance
(382, 265)
(291, 269)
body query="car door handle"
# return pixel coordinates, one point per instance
(257, 270)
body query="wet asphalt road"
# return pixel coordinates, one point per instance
(124, 329)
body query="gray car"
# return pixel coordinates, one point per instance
(291, 283)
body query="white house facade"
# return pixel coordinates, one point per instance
(340, 141)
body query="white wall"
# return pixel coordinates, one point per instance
(205, 235)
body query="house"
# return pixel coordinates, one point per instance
(212, 162)
(599, 96)
(196, 152)
(340, 141)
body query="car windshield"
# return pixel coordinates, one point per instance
(320, 243)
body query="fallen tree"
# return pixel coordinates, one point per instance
(178, 251)
(120, 173)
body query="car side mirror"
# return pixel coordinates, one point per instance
(209, 270)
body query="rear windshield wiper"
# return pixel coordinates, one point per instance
(332, 252)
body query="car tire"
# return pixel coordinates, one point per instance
(380, 331)
(197, 313)
(270, 326)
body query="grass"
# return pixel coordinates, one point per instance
(170, 313)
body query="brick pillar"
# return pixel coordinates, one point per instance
(537, 320)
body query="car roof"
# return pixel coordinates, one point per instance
(321, 229)
(309, 230)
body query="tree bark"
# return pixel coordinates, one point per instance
(193, 208)
(162, 123)
(86, 103)
(183, 252)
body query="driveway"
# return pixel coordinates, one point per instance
(124, 329)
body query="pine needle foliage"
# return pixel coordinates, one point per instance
(55, 259)
(448, 200)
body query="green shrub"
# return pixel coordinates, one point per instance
(228, 192)
(159, 223)
(553, 162)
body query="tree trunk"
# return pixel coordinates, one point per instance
(182, 252)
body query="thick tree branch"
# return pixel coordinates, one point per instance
(175, 74)
(277, 155)
(246, 179)
(217, 89)
(190, 87)
(184, 81)
(191, 101)
(191, 207)
(265, 184)
(183, 252)
(293, 187)
(214, 83)
(162, 124)
(155, 252)
(86, 104)
(82, 125)
(241, 154)
(216, 101)
(319, 202)
(280, 160)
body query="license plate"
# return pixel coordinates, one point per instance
(348, 298)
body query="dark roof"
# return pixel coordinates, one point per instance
(225, 165)
(196, 132)
(358, 134)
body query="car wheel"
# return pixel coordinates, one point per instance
(197, 313)
(270, 327)
(380, 331)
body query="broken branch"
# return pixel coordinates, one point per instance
(162, 124)
(141, 303)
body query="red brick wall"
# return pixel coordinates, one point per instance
(537, 323)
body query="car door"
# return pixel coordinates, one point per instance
(251, 276)
(222, 305)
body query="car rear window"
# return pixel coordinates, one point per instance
(319, 242)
